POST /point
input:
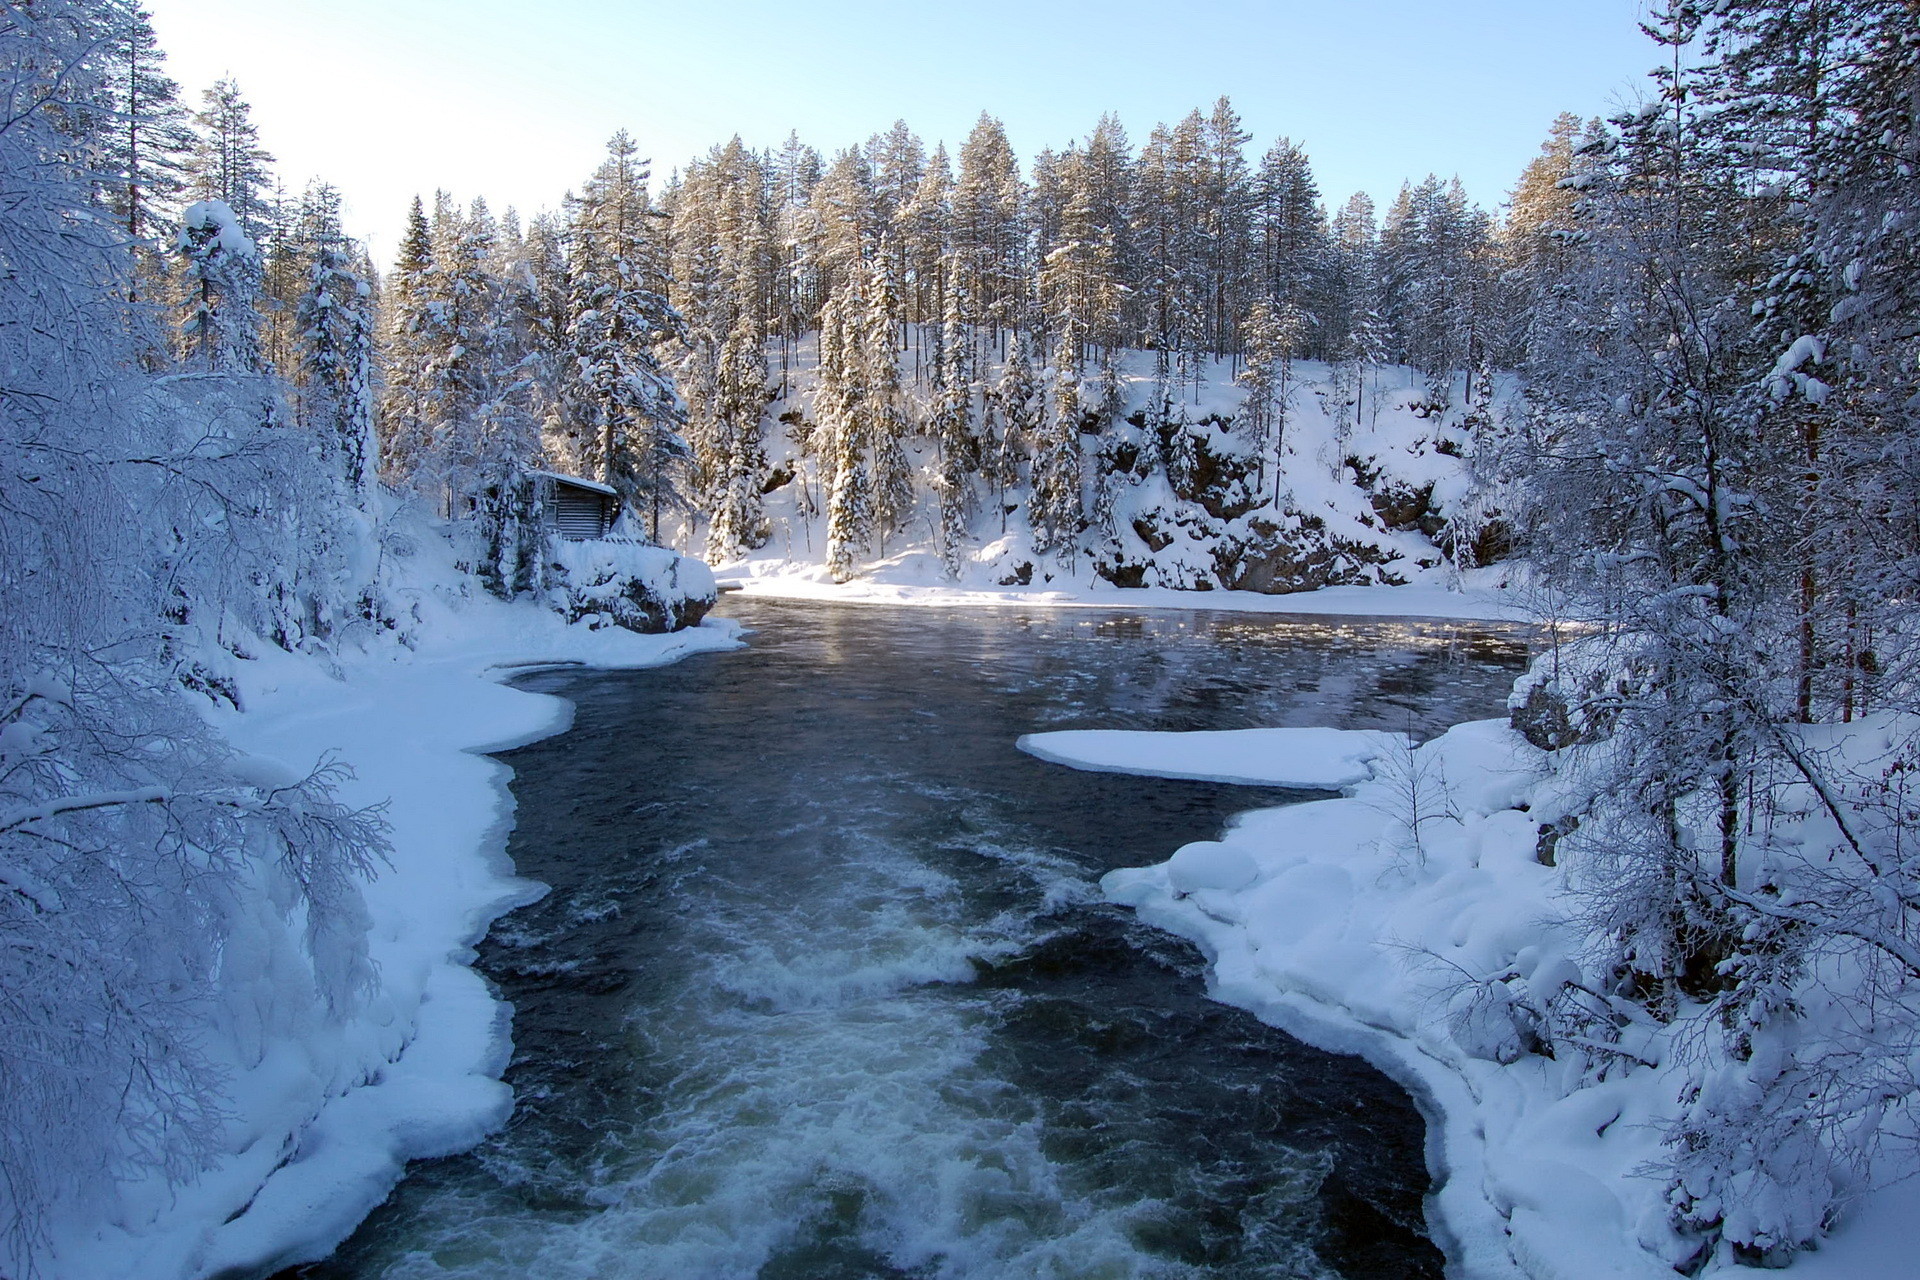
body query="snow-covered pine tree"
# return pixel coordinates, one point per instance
(220, 285)
(988, 239)
(898, 160)
(739, 522)
(228, 163)
(408, 317)
(886, 417)
(1021, 408)
(839, 408)
(629, 414)
(1054, 506)
(1104, 182)
(1227, 197)
(1294, 250)
(1259, 406)
(845, 226)
(925, 224)
(334, 323)
(953, 429)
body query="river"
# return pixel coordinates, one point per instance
(824, 986)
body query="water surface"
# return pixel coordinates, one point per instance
(824, 987)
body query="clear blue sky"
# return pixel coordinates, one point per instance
(385, 98)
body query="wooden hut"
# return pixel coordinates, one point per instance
(576, 508)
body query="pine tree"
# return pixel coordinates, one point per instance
(1227, 198)
(405, 405)
(1294, 250)
(926, 223)
(839, 404)
(989, 233)
(147, 142)
(221, 282)
(1054, 507)
(1021, 409)
(1260, 413)
(739, 519)
(885, 417)
(630, 414)
(953, 430)
(334, 322)
(1105, 179)
(228, 163)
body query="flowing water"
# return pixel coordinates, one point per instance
(824, 986)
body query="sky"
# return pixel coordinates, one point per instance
(386, 99)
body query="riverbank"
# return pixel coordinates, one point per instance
(915, 579)
(323, 1123)
(1391, 923)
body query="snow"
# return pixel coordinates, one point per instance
(1312, 759)
(324, 1124)
(1330, 920)
(914, 580)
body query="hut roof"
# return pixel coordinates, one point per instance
(579, 482)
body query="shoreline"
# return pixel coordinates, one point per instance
(781, 581)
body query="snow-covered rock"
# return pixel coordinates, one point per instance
(630, 584)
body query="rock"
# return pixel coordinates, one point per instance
(1276, 559)
(1544, 719)
(630, 584)
(1546, 849)
(1408, 508)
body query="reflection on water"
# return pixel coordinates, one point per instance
(824, 988)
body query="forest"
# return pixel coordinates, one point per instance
(1672, 385)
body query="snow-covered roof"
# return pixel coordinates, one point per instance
(578, 481)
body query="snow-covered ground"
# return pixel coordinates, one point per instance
(914, 579)
(1356, 923)
(323, 1121)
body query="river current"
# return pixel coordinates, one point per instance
(824, 986)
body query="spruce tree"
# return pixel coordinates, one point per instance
(1054, 507)
(334, 322)
(220, 287)
(629, 412)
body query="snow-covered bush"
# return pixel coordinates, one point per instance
(1768, 940)
(629, 584)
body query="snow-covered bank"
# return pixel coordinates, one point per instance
(1413, 922)
(914, 580)
(322, 1120)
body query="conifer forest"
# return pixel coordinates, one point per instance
(1665, 398)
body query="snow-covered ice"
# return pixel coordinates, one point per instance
(1311, 759)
